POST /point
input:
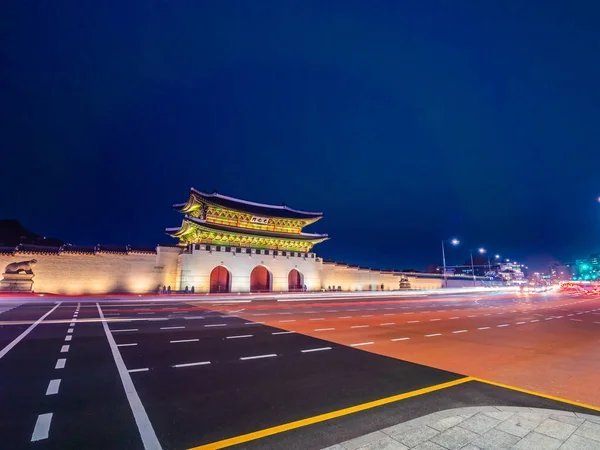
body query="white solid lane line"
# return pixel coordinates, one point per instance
(53, 387)
(184, 340)
(65, 348)
(121, 331)
(246, 358)
(60, 363)
(361, 344)
(201, 363)
(149, 438)
(216, 325)
(432, 335)
(144, 369)
(68, 337)
(315, 349)
(42, 427)
(401, 339)
(126, 345)
(172, 328)
(283, 332)
(240, 336)
(459, 331)
(20, 337)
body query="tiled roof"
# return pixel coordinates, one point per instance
(39, 249)
(114, 249)
(253, 232)
(141, 249)
(78, 249)
(259, 209)
(7, 250)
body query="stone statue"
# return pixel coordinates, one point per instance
(20, 267)
(18, 277)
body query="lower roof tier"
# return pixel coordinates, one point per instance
(196, 231)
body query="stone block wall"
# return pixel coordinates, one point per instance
(67, 273)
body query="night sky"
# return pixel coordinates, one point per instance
(405, 122)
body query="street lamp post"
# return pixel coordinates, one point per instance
(453, 242)
(482, 251)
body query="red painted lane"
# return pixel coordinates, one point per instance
(557, 356)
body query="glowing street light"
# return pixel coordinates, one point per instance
(481, 250)
(497, 256)
(454, 242)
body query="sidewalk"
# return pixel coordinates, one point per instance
(486, 428)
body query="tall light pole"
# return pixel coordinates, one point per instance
(481, 251)
(453, 242)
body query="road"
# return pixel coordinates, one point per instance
(177, 373)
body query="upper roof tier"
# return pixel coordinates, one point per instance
(196, 198)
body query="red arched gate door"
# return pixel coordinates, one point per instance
(260, 280)
(220, 280)
(295, 281)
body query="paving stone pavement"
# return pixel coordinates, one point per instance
(486, 428)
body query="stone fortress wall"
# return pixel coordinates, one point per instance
(98, 273)
(103, 271)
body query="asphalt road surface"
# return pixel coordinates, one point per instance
(178, 374)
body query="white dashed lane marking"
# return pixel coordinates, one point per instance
(433, 335)
(315, 349)
(400, 339)
(64, 348)
(172, 328)
(122, 331)
(60, 363)
(360, 344)
(53, 387)
(324, 329)
(282, 332)
(126, 345)
(200, 363)
(179, 341)
(143, 369)
(246, 358)
(459, 331)
(41, 430)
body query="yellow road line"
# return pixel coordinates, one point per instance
(327, 416)
(538, 394)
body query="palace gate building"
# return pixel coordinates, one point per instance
(233, 245)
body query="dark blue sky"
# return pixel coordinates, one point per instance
(404, 122)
